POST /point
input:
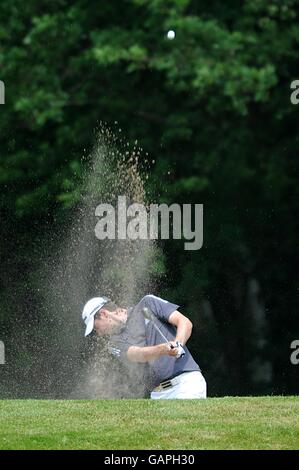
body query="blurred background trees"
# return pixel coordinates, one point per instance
(212, 108)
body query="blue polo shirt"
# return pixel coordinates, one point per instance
(142, 332)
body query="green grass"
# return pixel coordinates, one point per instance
(215, 423)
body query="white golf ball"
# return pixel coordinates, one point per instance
(171, 34)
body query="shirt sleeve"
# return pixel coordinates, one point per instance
(160, 307)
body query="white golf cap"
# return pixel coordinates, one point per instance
(90, 309)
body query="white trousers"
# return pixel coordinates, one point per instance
(189, 385)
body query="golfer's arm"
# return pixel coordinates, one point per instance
(183, 326)
(147, 353)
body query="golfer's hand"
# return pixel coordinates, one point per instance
(180, 350)
(172, 349)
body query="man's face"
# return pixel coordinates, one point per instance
(108, 322)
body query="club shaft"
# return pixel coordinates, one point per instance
(163, 336)
(149, 316)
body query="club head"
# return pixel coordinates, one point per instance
(147, 313)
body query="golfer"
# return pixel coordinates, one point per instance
(156, 344)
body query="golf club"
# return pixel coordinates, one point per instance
(151, 317)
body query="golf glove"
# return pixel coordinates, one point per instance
(181, 351)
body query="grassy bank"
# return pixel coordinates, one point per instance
(215, 423)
